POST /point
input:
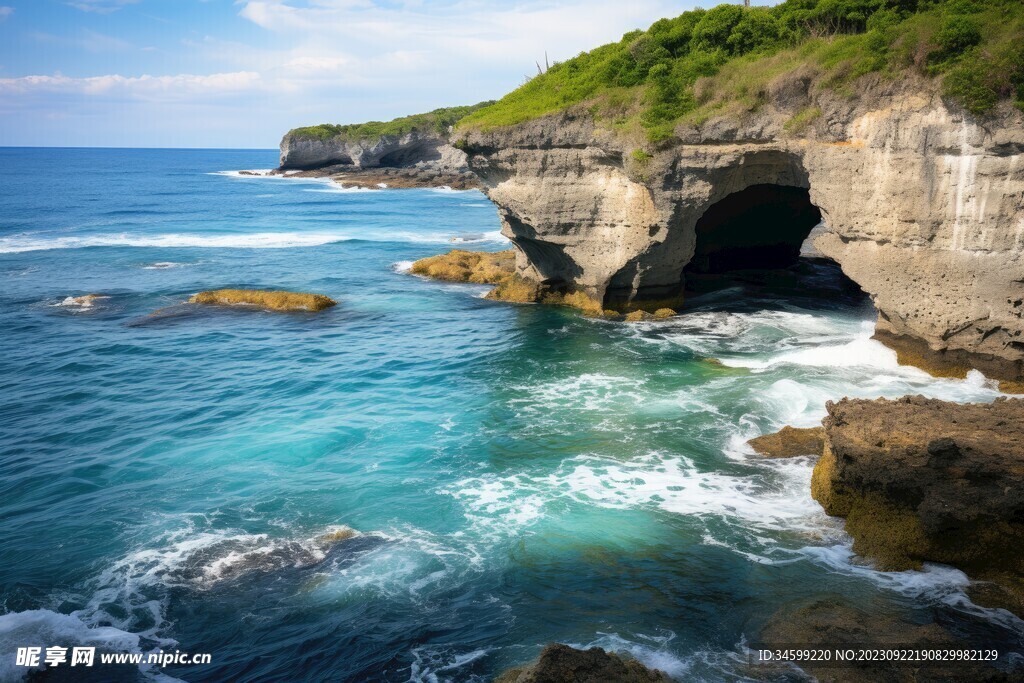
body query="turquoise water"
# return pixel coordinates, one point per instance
(514, 475)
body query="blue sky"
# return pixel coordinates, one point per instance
(227, 73)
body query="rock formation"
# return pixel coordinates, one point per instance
(925, 480)
(790, 442)
(563, 664)
(832, 623)
(268, 300)
(922, 203)
(413, 148)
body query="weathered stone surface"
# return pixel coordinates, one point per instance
(925, 480)
(790, 442)
(416, 148)
(923, 206)
(563, 664)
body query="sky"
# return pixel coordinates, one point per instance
(240, 73)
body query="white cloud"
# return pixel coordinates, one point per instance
(100, 6)
(182, 86)
(5, 12)
(313, 61)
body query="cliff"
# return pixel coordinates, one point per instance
(420, 140)
(922, 202)
(718, 140)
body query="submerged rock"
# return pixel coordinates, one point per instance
(829, 623)
(790, 442)
(269, 300)
(84, 301)
(563, 664)
(923, 480)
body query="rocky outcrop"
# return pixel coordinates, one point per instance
(925, 480)
(790, 442)
(263, 299)
(923, 207)
(834, 623)
(563, 664)
(426, 150)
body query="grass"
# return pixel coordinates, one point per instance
(269, 300)
(437, 121)
(726, 60)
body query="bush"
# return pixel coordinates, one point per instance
(649, 77)
(714, 28)
(957, 35)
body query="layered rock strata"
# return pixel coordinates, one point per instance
(923, 207)
(421, 149)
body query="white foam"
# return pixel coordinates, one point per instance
(80, 302)
(775, 499)
(402, 266)
(428, 662)
(859, 352)
(43, 628)
(256, 240)
(163, 265)
(650, 650)
(246, 173)
(253, 240)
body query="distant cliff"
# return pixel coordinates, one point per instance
(421, 139)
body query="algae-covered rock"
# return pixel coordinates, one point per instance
(458, 265)
(563, 664)
(790, 442)
(270, 300)
(1010, 387)
(498, 268)
(923, 480)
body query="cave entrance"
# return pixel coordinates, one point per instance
(761, 227)
(757, 243)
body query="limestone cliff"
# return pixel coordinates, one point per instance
(922, 204)
(415, 148)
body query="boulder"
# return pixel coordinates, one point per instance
(922, 480)
(563, 664)
(790, 442)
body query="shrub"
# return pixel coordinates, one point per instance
(958, 34)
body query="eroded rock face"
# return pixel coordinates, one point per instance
(414, 149)
(925, 480)
(563, 664)
(923, 205)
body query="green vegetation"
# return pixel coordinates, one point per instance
(726, 59)
(437, 121)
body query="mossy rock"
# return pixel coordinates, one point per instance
(269, 300)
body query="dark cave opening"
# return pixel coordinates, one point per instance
(754, 245)
(761, 227)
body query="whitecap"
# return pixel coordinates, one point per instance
(163, 265)
(402, 266)
(43, 628)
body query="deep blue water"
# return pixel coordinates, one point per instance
(170, 475)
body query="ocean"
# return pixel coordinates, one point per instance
(417, 484)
